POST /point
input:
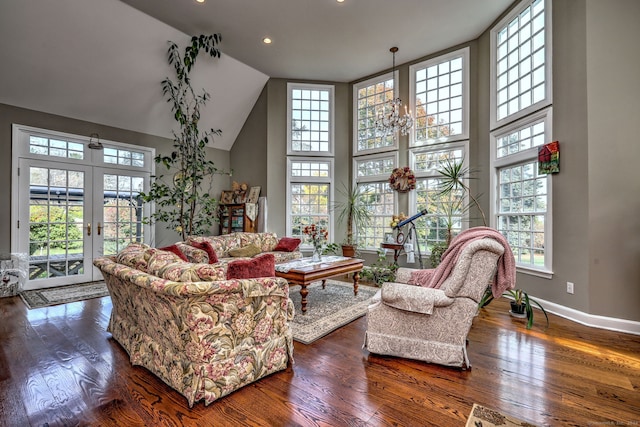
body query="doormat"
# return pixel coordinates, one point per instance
(328, 309)
(63, 294)
(485, 417)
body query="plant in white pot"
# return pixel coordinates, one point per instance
(521, 304)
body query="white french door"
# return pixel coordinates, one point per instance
(55, 222)
(73, 204)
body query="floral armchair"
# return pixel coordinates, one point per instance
(432, 324)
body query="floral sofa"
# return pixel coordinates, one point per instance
(201, 333)
(223, 245)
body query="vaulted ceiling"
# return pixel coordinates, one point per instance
(103, 60)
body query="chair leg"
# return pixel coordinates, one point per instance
(467, 364)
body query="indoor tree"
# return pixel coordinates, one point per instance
(184, 201)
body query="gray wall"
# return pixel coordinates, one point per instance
(249, 151)
(10, 115)
(613, 103)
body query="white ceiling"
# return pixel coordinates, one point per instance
(327, 40)
(103, 61)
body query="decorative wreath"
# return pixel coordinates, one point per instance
(402, 180)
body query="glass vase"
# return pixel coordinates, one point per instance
(317, 251)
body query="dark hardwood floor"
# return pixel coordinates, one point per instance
(58, 367)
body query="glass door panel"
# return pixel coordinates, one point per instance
(121, 209)
(58, 224)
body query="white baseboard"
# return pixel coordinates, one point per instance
(591, 320)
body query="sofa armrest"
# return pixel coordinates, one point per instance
(413, 298)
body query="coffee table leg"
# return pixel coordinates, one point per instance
(303, 297)
(356, 277)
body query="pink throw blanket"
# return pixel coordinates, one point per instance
(504, 279)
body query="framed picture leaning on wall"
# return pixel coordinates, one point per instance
(254, 193)
(226, 198)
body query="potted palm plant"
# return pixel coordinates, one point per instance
(453, 193)
(350, 208)
(521, 304)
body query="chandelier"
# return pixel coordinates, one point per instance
(389, 119)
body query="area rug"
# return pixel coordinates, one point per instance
(328, 309)
(485, 417)
(63, 294)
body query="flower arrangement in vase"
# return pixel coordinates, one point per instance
(318, 236)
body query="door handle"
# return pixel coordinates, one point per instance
(99, 229)
(88, 229)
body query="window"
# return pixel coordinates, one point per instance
(310, 119)
(521, 62)
(309, 194)
(445, 214)
(124, 157)
(522, 196)
(521, 121)
(372, 173)
(368, 98)
(55, 147)
(439, 91)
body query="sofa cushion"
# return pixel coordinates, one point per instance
(287, 244)
(246, 252)
(260, 266)
(174, 249)
(188, 272)
(135, 255)
(195, 255)
(221, 244)
(160, 259)
(206, 246)
(265, 241)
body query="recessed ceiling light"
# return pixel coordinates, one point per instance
(340, 1)
(266, 40)
(200, 1)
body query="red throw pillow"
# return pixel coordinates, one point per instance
(287, 244)
(260, 266)
(206, 246)
(176, 250)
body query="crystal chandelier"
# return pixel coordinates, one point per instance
(389, 119)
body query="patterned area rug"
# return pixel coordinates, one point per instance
(328, 309)
(63, 294)
(485, 417)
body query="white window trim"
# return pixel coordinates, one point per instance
(464, 52)
(331, 89)
(494, 123)
(20, 148)
(373, 178)
(520, 157)
(356, 88)
(310, 179)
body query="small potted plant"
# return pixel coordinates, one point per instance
(351, 209)
(521, 304)
(380, 271)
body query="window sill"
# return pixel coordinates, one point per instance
(545, 274)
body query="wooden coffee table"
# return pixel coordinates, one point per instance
(303, 275)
